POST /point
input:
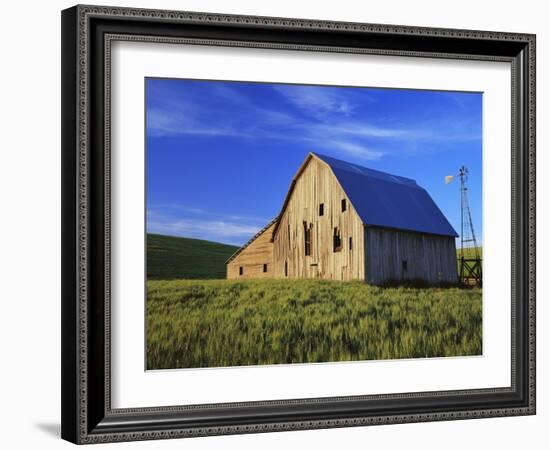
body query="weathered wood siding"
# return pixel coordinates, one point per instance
(428, 257)
(253, 257)
(315, 185)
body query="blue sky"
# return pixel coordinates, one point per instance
(221, 155)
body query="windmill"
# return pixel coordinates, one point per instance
(469, 256)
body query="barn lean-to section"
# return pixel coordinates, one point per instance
(254, 259)
(341, 221)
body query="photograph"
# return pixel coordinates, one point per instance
(292, 223)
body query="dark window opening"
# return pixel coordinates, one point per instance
(321, 209)
(336, 240)
(241, 270)
(307, 239)
(286, 269)
(344, 206)
(404, 264)
(265, 268)
(350, 243)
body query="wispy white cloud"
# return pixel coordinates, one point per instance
(195, 227)
(317, 100)
(173, 122)
(358, 151)
(254, 219)
(175, 207)
(366, 130)
(435, 130)
(173, 220)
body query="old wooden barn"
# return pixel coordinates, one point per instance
(341, 221)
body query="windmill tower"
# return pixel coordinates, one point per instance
(469, 256)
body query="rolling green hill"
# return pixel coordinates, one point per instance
(171, 257)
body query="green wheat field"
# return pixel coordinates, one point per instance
(217, 323)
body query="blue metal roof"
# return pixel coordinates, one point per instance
(389, 201)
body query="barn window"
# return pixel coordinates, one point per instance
(336, 240)
(321, 209)
(404, 264)
(350, 243)
(286, 269)
(307, 239)
(265, 268)
(241, 270)
(344, 206)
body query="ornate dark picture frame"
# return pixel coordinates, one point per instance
(87, 33)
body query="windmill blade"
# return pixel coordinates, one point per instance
(449, 178)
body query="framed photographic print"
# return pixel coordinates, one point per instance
(267, 222)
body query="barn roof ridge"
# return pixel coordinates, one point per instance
(367, 171)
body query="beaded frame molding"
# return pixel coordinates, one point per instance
(87, 34)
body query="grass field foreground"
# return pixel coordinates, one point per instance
(216, 323)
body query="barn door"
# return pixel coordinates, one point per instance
(314, 270)
(343, 273)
